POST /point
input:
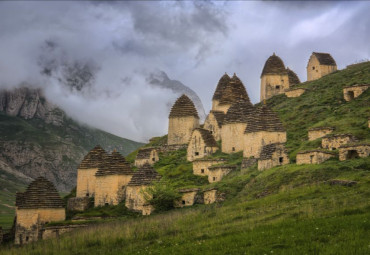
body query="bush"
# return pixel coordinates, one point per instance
(161, 196)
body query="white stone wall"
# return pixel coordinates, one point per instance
(180, 129)
(232, 137)
(313, 157)
(273, 84)
(253, 142)
(197, 148)
(211, 125)
(86, 182)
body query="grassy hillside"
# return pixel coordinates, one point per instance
(291, 209)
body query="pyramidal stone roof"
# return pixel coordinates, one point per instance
(274, 65)
(324, 59)
(145, 175)
(269, 149)
(41, 193)
(114, 164)
(219, 116)
(264, 119)
(144, 153)
(222, 84)
(293, 77)
(183, 107)
(207, 137)
(234, 91)
(239, 112)
(94, 158)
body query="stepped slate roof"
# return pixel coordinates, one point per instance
(94, 158)
(269, 149)
(144, 153)
(239, 112)
(274, 65)
(324, 58)
(219, 116)
(264, 119)
(321, 128)
(41, 193)
(183, 107)
(234, 91)
(207, 137)
(145, 175)
(114, 164)
(316, 150)
(293, 78)
(222, 84)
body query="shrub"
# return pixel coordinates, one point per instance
(161, 196)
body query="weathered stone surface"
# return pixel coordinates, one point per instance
(351, 151)
(319, 65)
(79, 204)
(188, 198)
(295, 92)
(351, 92)
(214, 122)
(180, 129)
(318, 132)
(313, 157)
(201, 144)
(248, 162)
(273, 155)
(56, 231)
(217, 172)
(333, 142)
(200, 166)
(146, 155)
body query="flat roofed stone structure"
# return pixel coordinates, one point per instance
(38, 205)
(146, 155)
(200, 166)
(235, 122)
(87, 170)
(111, 180)
(334, 141)
(136, 189)
(294, 92)
(319, 65)
(201, 144)
(352, 151)
(351, 92)
(313, 157)
(188, 197)
(214, 122)
(183, 119)
(318, 132)
(263, 127)
(272, 155)
(217, 172)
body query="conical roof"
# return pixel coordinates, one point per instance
(94, 158)
(274, 65)
(239, 112)
(219, 116)
(41, 193)
(183, 107)
(268, 150)
(222, 84)
(324, 58)
(144, 176)
(207, 137)
(144, 153)
(114, 164)
(264, 119)
(234, 91)
(293, 78)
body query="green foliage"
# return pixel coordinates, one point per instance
(161, 196)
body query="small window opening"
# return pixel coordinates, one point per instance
(311, 159)
(352, 154)
(351, 95)
(211, 132)
(333, 148)
(87, 194)
(214, 178)
(281, 159)
(27, 238)
(153, 159)
(183, 202)
(313, 68)
(277, 87)
(202, 171)
(233, 149)
(106, 204)
(196, 153)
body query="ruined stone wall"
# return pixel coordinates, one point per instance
(28, 217)
(151, 160)
(334, 142)
(216, 174)
(353, 92)
(110, 189)
(217, 107)
(316, 134)
(56, 231)
(210, 196)
(135, 200)
(78, 204)
(187, 199)
(86, 182)
(362, 151)
(232, 137)
(294, 92)
(273, 84)
(180, 129)
(316, 71)
(253, 142)
(211, 124)
(278, 158)
(200, 165)
(312, 157)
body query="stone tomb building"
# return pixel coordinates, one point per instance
(275, 78)
(217, 172)
(146, 155)
(200, 166)
(38, 205)
(136, 189)
(313, 157)
(183, 119)
(201, 144)
(214, 122)
(111, 180)
(351, 92)
(87, 170)
(263, 127)
(235, 122)
(188, 197)
(333, 142)
(318, 132)
(352, 151)
(272, 155)
(319, 65)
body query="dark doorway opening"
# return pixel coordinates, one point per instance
(352, 154)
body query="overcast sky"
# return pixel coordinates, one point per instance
(195, 43)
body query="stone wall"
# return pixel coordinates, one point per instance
(200, 167)
(86, 182)
(232, 137)
(355, 151)
(56, 231)
(278, 158)
(316, 133)
(211, 124)
(78, 204)
(316, 71)
(151, 160)
(217, 107)
(180, 129)
(352, 92)
(197, 148)
(333, 142)
(135, 199)
(248, 162)
(253, 142)
(210, 196)
(110, 189)
(312, 157)
(187, 198)
(295, 92)
(173, 147)
(273, 84)
(216, 173)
